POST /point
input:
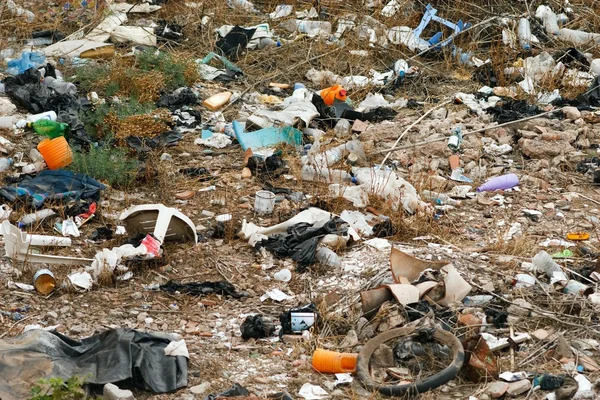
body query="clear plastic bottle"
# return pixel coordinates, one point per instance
(524, 33)
(33, 168)
(41, 41)
(61, 87)
(328, 257)
(5, 163)
(440, 198)
(544, 262)
(311, 173)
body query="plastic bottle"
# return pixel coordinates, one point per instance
(549, 19)
(48, 128)
(331, 93)
(524, 33)
(342, 128)
(499, 183)
(328, 257)
(595, 66)
(41, 41)
(311, 173)
(217, 101)
(440, 198)
(61, 87)
(18, 11)
(544, 262)
(314, 28)
(33, 168)
(332, 362)
(5, 163)
(29, 219)
(49, 115)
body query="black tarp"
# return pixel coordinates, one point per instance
(132, 358)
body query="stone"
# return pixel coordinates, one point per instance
(541, 334)
(571, 112)
(519, 308)
(365, 330)
(142, 316)
(529, 134)
(517, 388)
(136, 295)
(52, 314)
(543, 148)
(350, 340)
(200, 389)
(440, 113)
(383, 357)
(77, 329)
(497, 389)
(112, 392)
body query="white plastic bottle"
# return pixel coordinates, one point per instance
(29, 219)
(5, 163)
(22, 123)
(548, 18)
(61, 87)
(34, 168)
(311, 173)
(544, 262)
(524, 33)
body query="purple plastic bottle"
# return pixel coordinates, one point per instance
(499, 183)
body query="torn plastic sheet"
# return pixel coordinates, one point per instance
(229, 73)
(116, 355)
(53, 186)
(203, 288)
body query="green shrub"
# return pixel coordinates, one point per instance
(176, 72)
(58, 389)
(109, 164)
(93, 119)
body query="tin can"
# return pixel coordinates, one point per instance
(44, 281)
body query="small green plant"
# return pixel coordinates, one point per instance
(109, 164)
(94, 118)
(59, 389)
(176, 72)
(89, 76)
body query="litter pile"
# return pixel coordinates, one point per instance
(356, 199)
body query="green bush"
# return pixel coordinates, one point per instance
(177, 73)
(93, 119)
(58, 389)
(109, 164)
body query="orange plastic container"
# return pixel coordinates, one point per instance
(331, 93)
(332, 362)
(56, 152)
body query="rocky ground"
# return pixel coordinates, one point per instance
(489, 238)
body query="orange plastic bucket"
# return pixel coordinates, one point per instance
(56, 152)
(332, 362)
(331, 93)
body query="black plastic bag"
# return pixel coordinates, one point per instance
(256, 327)
(177, 99)
(125, 356)
(301, 241)
(232, 44)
